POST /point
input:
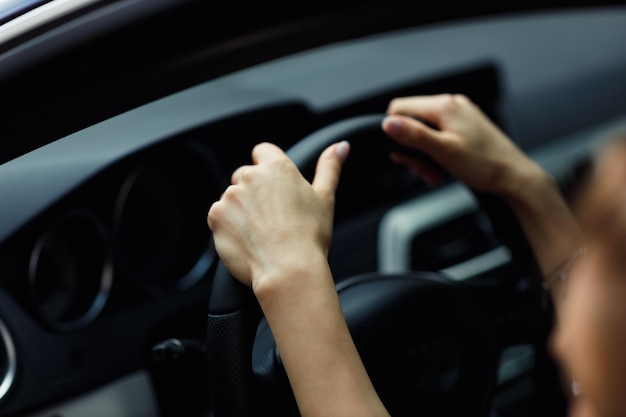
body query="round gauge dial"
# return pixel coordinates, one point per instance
(162, 240)
(70, 272)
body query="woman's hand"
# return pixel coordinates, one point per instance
(473, 149)
(272, 229)
(462, 140)
(271, 219)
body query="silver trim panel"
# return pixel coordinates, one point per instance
(486, 262)
(402, 223)
(9, 376)
(39, 16)
(131, 396)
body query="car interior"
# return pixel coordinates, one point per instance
(123, 121)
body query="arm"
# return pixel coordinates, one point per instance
(272, 229)
(465, 142)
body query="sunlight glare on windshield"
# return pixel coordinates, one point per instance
(12, 8)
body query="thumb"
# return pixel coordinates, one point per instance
(329, 168)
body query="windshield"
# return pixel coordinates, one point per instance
(13, 8)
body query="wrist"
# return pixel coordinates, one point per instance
(524, 184)
(548, 223)
(291, 274)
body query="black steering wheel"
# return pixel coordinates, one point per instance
(427, 345)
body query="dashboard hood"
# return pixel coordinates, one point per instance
(123, 120)
(135, 58)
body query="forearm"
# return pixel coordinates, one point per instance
(549, 224)
(323, 365)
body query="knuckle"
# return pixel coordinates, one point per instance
(258, 147)
(235, 175)
(449, 103)
(214, 215)
(394, 104)
(454, 103)
(228, 196)
(462, 99)
(283, 165)
(242, 174)
(246, 175)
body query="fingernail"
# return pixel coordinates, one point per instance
(342, 150)
(392, 125)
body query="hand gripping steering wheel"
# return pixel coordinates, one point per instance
(426, 344)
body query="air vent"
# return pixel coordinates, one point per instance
(440, 231)
(452, 243)
(8, 362)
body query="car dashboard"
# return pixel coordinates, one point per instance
(104, 246)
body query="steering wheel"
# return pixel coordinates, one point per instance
(420, 353)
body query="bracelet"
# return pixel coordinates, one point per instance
(561, 272)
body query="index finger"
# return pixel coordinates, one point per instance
(267, 152)
(427, 108)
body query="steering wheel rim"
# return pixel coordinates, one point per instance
(234, 314)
